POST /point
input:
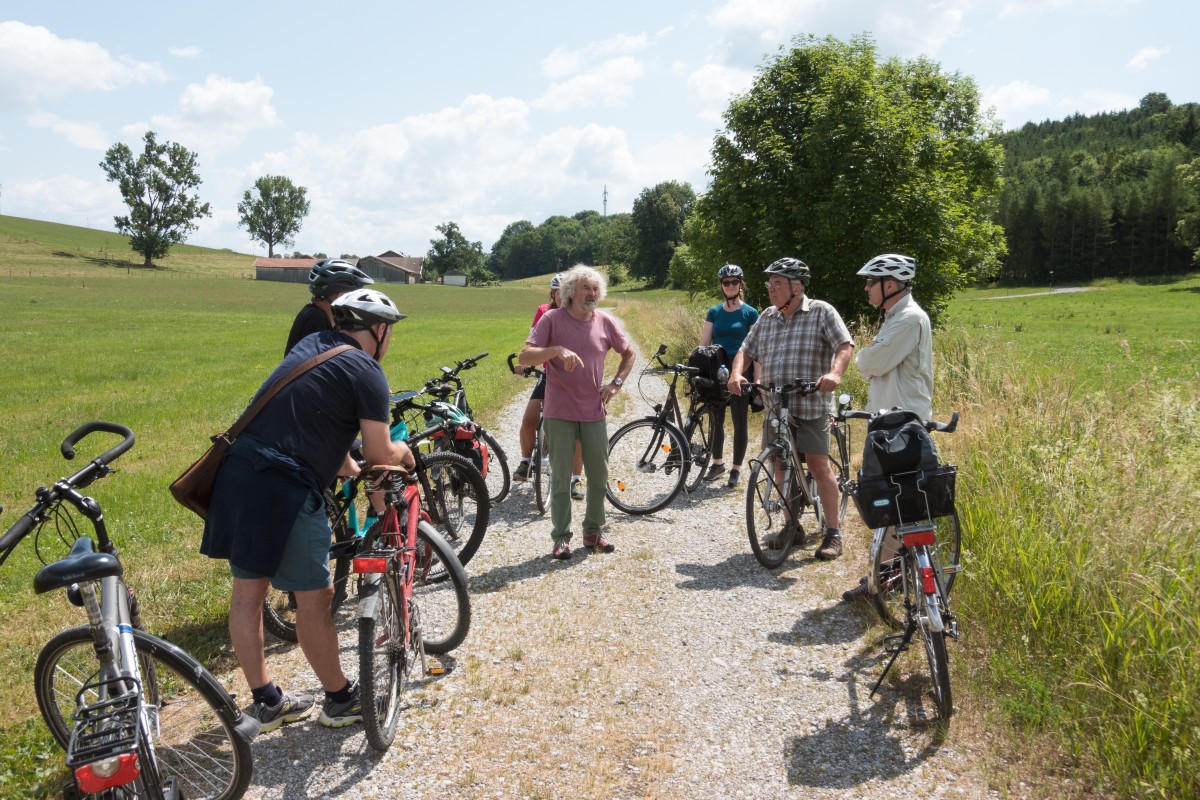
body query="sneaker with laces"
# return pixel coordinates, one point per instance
(291, 708)
(734, 474)
(714, 472)
(858, 592)
(578, 490)
(522, 473)
(831, 547)
(339, 715)
(562, 550)
(775, 540)
(598, 544)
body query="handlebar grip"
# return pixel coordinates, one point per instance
(73, 438)
(850, 414)
(480, 357)
(17, 532)
(512, 357)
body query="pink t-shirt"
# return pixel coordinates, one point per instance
(575, 395)
(537, 315)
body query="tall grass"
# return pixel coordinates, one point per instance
(1079, 484)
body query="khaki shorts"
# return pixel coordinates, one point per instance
(811, 435)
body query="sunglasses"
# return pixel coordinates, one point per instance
(731, 282)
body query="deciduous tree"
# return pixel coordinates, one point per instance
(157, 188)
(658, 216)
(453, 251)
(273, 215)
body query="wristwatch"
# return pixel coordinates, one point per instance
(617, 381)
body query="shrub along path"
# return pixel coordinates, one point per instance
(676, 667)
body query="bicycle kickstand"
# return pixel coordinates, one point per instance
(895, 650)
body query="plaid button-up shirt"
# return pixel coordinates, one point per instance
(799, 349)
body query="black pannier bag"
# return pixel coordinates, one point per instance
(901, 479)
(709, 359)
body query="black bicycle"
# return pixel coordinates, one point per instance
(136, 715)
(650, 460)
(539, 459)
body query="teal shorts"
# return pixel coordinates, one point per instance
(305, 564)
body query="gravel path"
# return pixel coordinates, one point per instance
(676, 667)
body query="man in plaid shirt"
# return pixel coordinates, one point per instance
(801, 339)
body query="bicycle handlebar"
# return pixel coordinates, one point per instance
(931, 425)
(526, 372)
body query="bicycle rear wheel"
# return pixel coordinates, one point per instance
(700, 444)
(384, 661)
(279, 609)
(540, 466)
(939, 669)
(192, 718)
(457, 501)
(646, 466)
(498, 479)
(440, 588)
(839, 459)
(886, 579)
(771, 538)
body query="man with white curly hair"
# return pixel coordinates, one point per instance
(572, 342)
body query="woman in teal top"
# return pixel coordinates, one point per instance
(727, 325)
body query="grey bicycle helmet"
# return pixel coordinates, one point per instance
(730, 271)
(362, 308)
(791, 268)
(556, 281)
(332, 275)
(890, 265)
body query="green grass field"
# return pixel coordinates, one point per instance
(1078, 453)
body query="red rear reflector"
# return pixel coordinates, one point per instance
(369, 565)
(928, 584)
(917, 538)
(105, 774)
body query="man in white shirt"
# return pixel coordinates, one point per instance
(898, 364)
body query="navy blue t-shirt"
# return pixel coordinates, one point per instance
(314, 419)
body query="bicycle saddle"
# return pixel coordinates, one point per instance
(83, 563)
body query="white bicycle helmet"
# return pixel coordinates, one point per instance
(556, 281)
(362, 308)
(890, 265)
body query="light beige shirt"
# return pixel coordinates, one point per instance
(899, 361)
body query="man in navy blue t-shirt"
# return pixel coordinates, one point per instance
(267, 515)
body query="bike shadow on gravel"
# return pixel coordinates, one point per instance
(818, 759)
(498, 578)
(742, 569)
(828, 624)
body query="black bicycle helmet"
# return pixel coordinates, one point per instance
(791, 268)
(332, 275)
(890, 265)
(362, 308)
(730, 271)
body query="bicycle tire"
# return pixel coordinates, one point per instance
(279, 607)
(770, 538)
(886, 583)
(499, 479)
(440, 587)
(646, 466)
(700, 443)
(812, 515)
(839, 459)
(456, 499)
(383, 665)
(939, 669)
(540, 468)
(194, 718)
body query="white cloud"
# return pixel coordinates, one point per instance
(66, 199)
(191, 51)
(84, 135)
(712, 86)
(564, 61)
(1095, 101)
(922, 33)
(1142, 59)
(217, 114)
(1012, 100)
(35, 65)
(771, 20)
(610, 83)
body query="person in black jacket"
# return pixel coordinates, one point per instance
(328, 280)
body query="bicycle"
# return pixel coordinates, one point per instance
(136, 715)
(914, 559)
(782, 501)
(650, 460)
(450, 484)
(396, 554)
(539, 461)
(493, 463)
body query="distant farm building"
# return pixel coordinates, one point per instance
(454, 277)
(389, 267)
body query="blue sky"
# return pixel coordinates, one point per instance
(399, 116)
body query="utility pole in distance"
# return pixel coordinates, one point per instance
(606, 199)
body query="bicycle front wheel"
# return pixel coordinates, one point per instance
(384, 642)
(498, 479)
(769, 492)
(886, 580)
(440, 588)
(700, 444)
(191, 717)
(539, 465)
(279, 609)
(646, 466)
(457, 501)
